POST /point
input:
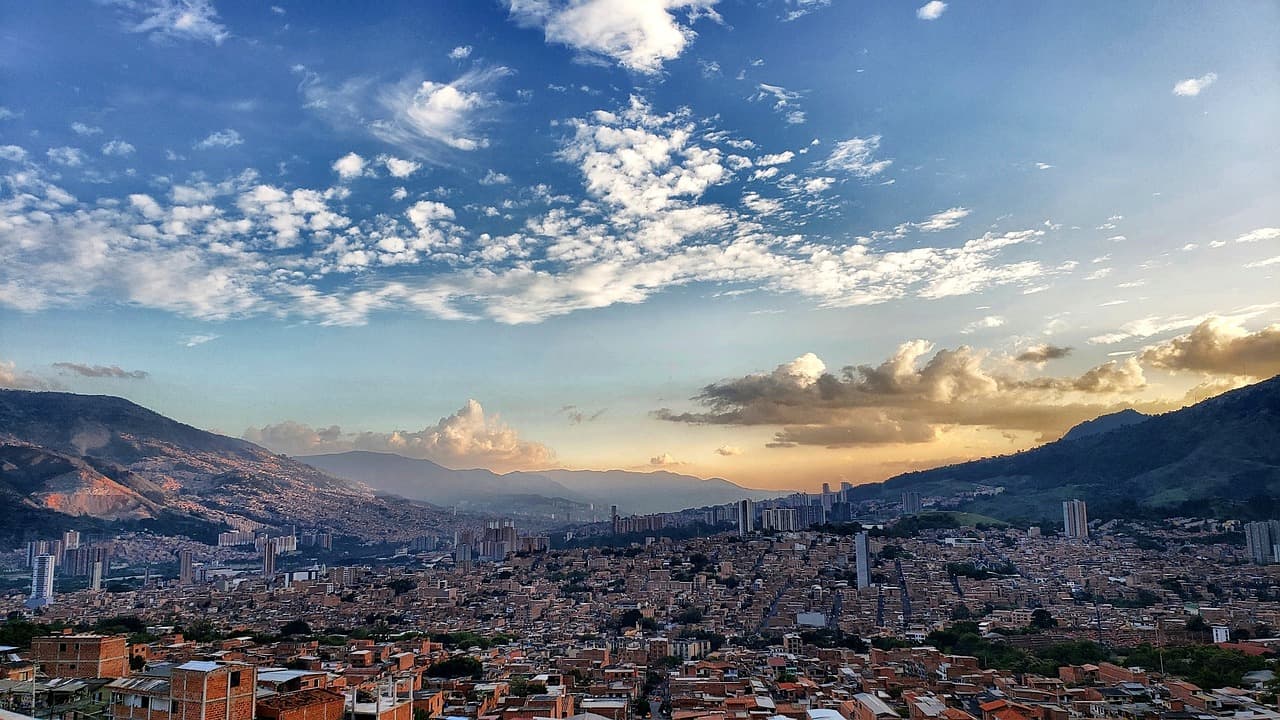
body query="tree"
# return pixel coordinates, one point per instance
(456, 667)
(137, 662)
(295, 627)
(642, 707)
(1042, 620)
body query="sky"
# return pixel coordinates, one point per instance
(784, 242)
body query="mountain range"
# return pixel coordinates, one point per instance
(1220, 457)
(632, 492)
(83, 461)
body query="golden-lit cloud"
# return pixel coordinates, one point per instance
(911, 398)
(1219, 346)
(467, 438)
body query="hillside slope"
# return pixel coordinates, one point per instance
(1219, 457)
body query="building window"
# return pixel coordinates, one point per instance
(62, 647)
(235, 678)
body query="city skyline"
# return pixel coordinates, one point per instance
(783, 243)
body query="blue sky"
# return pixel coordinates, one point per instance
(641, 233)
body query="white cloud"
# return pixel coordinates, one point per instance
(1192, 87)
(728, 450)
(401, 168)
(426, 114)
(198, 339)
(797, 9)
(84, 130)
(461, 52)
(219, 139)
(1261, 234)
(14, 379)
(640, 35)
(494, 178)
(1043, 166)
(349, 166)
(986, 323)
(944, 220)
(931, 10)
(776, 158)
(12, 153)
(118, 148)
(856, 157)
(467, 438)
(66, 156)
(176, 20)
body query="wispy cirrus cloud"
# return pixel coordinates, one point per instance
(101, 371)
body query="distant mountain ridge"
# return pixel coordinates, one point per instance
(1219, 457)
(1106, 423)
(82, 460)
(632, 492)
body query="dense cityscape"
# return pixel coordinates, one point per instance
(790, 608)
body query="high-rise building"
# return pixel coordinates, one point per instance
(613, 515)
(185, 572)
(71, 540)
(911, 503)
(779, 519)
(269, 560)
(862, 548)
(746, 516)
(42, 581)
(1075, 519)
(1260, 542)
(95, 575)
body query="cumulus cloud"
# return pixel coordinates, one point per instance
(1219, 346)
(349, 166)
(945, 220)
(984, 323)
(84, 130)
(910, 398)
(1192, 87)
(663, 460)
(219, 139)
(639, 35)
(101, 371)
(65, 156)
(728, 450)
(461, 52)
(931, 10)
(1042, 353)
(169, 20)
(856, 156)
(422, 116)
(118, 148)
(400, 168)
(13, 378)
(467, 438)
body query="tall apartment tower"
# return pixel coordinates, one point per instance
(746, 516)
(1259, 542)
(862, 547)
(42, 569)
(1075, 519)
(613, 515)
(269, 560)
(185, 571)
(95, 576)
(70, 540)
(911, 503)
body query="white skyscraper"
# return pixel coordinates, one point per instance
(1075, 519)
(42, 581)
(862, 547)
